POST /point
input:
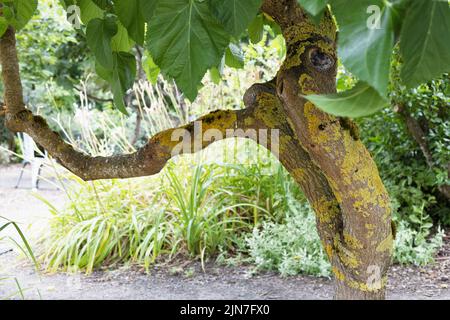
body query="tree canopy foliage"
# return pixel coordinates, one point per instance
(186, 38)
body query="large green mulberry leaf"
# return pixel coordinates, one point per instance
(185, 40)
(360, 101)
(366, 46)
(424, 41)
(235, 15)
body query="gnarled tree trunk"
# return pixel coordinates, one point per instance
(355, 220)
(322, 152)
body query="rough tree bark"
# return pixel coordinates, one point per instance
(322, 152)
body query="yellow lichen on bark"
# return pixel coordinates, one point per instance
(220, 120)
(299, 175)
(366, 287)
(268, 110)
(370, 230)
(329, 250)
(323, 132)
(386, 245)
(326, 210)
(294, 59)
(348, 256)
(249, 121)
(326, 47)
(338, 274)
(352, 241)
(307, 84)
(357, 167)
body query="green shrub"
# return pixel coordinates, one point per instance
(410, 178)
(416, 247)
(291, 248)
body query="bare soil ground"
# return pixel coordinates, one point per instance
(184, 281)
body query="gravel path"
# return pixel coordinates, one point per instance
(188, 281)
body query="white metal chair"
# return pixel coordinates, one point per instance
(29, 148)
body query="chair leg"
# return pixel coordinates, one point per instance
(21, 175)
(38, 175)
(36, 172)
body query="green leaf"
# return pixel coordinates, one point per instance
(99, 33)
(235, 15)
(234, 57)
(256, 29)
(28, 250)
(121, 41)
(399, 9)
(104, 73)
(25, 10)
(134, 14)
(151, 69)
(366, 46)
(66, 3)
(89, 10)
(215, 75)
(148, 8)
(102, 4)
(124, 75)
(274, 26)
(318, 18)
(424, 41)
(314, 7)
(8, 11)
(360, 101)
(414, 219)
(185, 40)
(121, 77)
(3, 25)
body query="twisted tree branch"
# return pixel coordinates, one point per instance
(146, 161)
